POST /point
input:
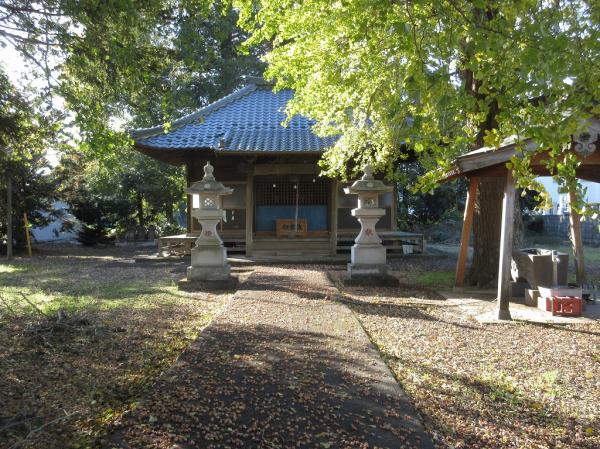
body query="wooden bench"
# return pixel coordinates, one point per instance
(183, 244)
(392, 240)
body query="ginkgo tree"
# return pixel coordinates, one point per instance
(436, 79)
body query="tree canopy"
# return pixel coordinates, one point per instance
(434, 77)
(118, 65)
(24, 136)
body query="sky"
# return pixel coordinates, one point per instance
(12, 63)
(592, 194)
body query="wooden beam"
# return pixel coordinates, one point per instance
(576, 240)
(250, 210)
(333, 213)
(286, 169)
(465, 236)
(393, 209)
(506, 247)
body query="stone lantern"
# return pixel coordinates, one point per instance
(209, 257)
(368, 255)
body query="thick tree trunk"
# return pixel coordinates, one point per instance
(486, 232)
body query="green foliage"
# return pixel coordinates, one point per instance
(437, 77)
(92, 235)
(126, 64)
(129, 63)
(24, 135)
(139, 190)
(417, 208)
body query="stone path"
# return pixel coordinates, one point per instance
(284, 366)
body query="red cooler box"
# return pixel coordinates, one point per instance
(564, 305)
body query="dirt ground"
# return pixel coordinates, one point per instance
(476, 385)
(85, 333)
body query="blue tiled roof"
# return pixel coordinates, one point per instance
(249, 120)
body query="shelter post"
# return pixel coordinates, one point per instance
(575, 222)
(466, 233)
(188, 180)
(249, 209)
(333, 225)
(506, 247)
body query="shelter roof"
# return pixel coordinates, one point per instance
(490, 161)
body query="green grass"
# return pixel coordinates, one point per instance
(71, 286)
(435, 279)
(50, 295)
(591, 254)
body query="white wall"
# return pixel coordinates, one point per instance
(592, 194)
(53, 231)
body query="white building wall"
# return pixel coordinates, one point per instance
(560, 201)
(53, 231)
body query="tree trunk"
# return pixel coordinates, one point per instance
(486, 232)
(169, 211)
(9, 218)
(519, 227)
(140, 209)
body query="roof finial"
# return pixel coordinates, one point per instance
(208, 172)
(368, 172)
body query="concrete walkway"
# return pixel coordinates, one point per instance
(482, 307)
(283, 366)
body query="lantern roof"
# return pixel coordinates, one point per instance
(368, 184)
(208, 184)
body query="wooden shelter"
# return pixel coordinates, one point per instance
(492, 162)
(280, 204)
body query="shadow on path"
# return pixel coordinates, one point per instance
(277, 370)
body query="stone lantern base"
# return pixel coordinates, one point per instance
(209, 270)
(368, 266)
(364, 253)
(378, 275)
(195, 285)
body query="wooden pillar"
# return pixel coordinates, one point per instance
(393, 209)
(27, 236)
(250, 209)
(189, 167)
(577, 242)
(333, 222)
(465, 236)
(506, 247)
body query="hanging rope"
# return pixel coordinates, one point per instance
(296, 212)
